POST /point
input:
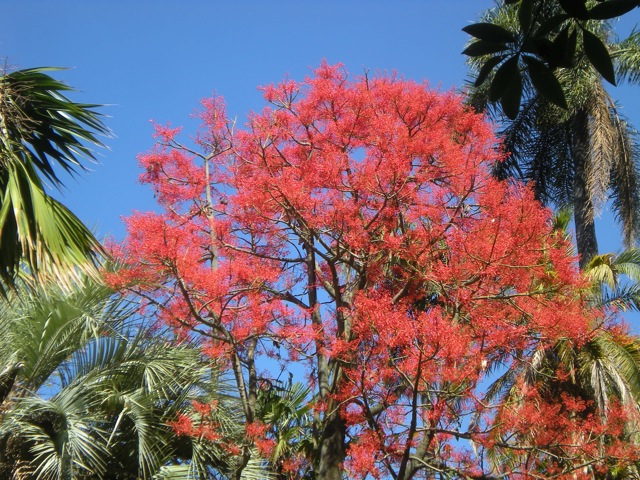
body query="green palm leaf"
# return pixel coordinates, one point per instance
(627, 58)
(40, 129)
(97, 393)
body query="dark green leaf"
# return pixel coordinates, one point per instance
(575, 8)
(486, 69)
(552, 52)
(560, 42)
(510, 2)
(551, 24)
(510, 100)
(489, 32)
(545, 81)
(503, 78)
(561, 52)
(543, 48)
(598, 56)
(570, 50)
(612, 9)
(483, 47)
(525, 13)
(529, 46)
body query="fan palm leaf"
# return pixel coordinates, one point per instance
(97, 394)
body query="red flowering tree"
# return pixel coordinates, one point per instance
(351, 233)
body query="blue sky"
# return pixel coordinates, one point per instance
(157, 59)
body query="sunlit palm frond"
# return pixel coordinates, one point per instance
(627, 58)
(51, 322)
(612, 368)
(44, 126)
(627, 263)
(601, 270)
(177, 472)
(616, 279)
(256, 468)
(623, 298)
(60, 434)
(602, 151)
(40, 130)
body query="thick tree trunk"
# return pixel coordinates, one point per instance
(332, 448)
(583, 213)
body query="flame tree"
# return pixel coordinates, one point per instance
(351, 232)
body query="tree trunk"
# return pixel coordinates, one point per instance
(583, 212)
(332, 448)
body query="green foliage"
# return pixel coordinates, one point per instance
(287, 409)
(549, 35)
(616, 279)
(565, 134)
(97, 394)
(41, 130)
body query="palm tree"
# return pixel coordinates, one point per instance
(579, 156)
(604, 371)
(96, 393)
(42, 130)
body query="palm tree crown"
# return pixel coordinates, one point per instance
(41, 130)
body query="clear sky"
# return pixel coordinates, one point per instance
(157, 59)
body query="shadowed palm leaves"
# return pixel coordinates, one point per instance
(94, 401)
(581, 156)
(41, 130)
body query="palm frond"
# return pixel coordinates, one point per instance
(627, 263)
(60, 434)
(602, 139)
(625, 180)
(43, 126)
(99, 394)
(600, 270)
(587, 149)
(40, 128)
(624, 298)
(626, 56)
(50, 323)
(613, 367)
(177, 472)
(616, 279)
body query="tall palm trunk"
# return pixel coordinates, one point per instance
(582, 205)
